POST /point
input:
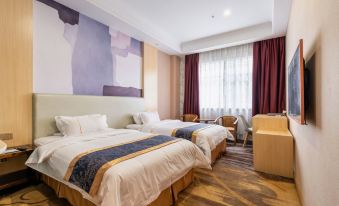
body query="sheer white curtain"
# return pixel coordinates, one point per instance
(225, 82)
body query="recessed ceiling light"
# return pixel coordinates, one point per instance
(227, 12)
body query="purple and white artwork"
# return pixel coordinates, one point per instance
(74, 54)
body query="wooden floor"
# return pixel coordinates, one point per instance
(234, 182)
(231, 182)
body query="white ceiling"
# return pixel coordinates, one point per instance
(187, 26)
(187, 20)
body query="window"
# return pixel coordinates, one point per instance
(225, 82)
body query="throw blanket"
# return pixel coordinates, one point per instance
(190, 132)
(87, 169)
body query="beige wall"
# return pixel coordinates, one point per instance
(164, 85)
(175, 87)
(168, 86)
(16, 70)
(160, 74)
(161, 82)
(317, 143)
(182, 84)
(150, 69)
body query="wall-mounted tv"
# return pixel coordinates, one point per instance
(296, 86)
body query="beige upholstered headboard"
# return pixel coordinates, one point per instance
(119, 110)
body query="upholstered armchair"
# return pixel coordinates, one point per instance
(231, 123)
(189, 117)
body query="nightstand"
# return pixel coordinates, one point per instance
(13, 163)
(273, 145)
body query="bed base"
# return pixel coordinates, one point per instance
(166, 198)
(218, 151)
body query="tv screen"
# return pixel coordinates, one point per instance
(296, 101)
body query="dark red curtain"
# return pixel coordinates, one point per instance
(191, 100)
(268, 76)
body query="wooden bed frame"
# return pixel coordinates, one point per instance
(119, 112)
(166, 198)
(218, 151)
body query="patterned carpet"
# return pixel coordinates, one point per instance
(232, 182)
(39, 195)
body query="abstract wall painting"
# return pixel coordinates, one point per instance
(75, 54)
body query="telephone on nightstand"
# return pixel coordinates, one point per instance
(3, 147)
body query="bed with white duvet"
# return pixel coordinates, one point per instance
(135, 181)
(206, 139)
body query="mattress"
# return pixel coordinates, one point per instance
(206, 139)
(135, 181)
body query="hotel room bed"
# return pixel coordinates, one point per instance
(152, 178)
(138, 179)
(210, 138)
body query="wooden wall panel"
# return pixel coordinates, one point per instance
(150, 65)
(175, 87)
(16, 70)
(164, 85)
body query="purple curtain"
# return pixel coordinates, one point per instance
(191, 100)
(268, 76)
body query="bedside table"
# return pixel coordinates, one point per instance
(21, 176)
(273, 145)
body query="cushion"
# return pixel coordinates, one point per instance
(92, 123)
(149, 117)
(68, 126)
(137, 118)
(230, 128)
(79, 125)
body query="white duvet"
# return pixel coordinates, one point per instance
(207, 139)
(137, 181)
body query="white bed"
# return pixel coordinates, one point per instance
(136, 181)
(207, 139)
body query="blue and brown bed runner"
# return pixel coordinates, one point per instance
(190, 132)
(87, 169)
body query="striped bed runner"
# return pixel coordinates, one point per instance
(190, 132)
(87, 169)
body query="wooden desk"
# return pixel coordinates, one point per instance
(271, 123)
(15, 177)
(27, 152)
(272, 145)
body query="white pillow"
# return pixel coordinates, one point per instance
(134, 126)
(137, 118)
(68, 126)
(92, 123)
(79, 125)
(149, 117)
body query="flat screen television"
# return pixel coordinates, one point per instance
(296, 86)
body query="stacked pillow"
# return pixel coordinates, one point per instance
(80, 125)
(137, 118)
(146, 117)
